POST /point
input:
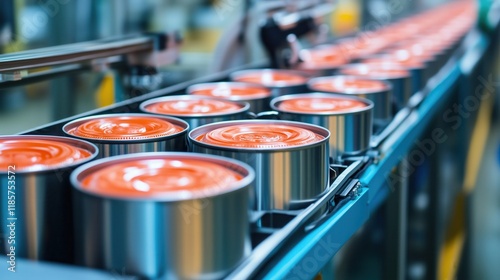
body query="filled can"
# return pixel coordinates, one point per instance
(290, 158)
(321, 60)
(399, 77)
(280, 81)
(378, 91)
(163, 215)
(119, 134)
(37, 221)
(410, 50)
(256, 95)
(417, 68)
(197, 110)
(349, 119)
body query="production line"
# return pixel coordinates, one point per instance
(253, 173)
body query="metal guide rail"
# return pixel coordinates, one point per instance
(118, 53)
(304, 240)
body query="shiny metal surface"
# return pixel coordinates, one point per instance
(196, 120)
(147, 50)
(382, 107)
(73, 53)
(257, 105)
(402, 90)
(350, 131)
(179, 238)
(282, 175)
(107, 148)
(418, 78)
(277, 90)
(43, 209)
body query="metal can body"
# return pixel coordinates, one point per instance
(190, 238)
(284, 175)
(402, 88)
(40, 220)
(350, 130)
(381, 97)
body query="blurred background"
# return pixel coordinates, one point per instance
(216, 35)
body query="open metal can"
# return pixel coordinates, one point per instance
(119, 134)
(256, 95)
(378, 91)
(290, 158)
(349, 119)
(280, 81)
(197, 110)
(409, 50)
(37, 220)
(416, 66)
(399, 77)
(322, 60)
(163, 215)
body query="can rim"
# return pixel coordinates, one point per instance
(407, 74)
(244, 106)
(183, 124)
(209, 127)
(234, 165)
(388, 86)
(191, 89)
(317, 65)
(90, 147)
(419, 65)
(369, 104)
(233, 76)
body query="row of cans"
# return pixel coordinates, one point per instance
(168, 192)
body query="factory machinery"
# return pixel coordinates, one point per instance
(398, 179)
